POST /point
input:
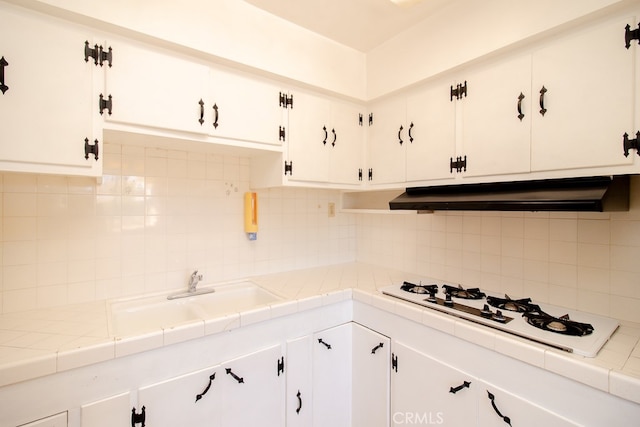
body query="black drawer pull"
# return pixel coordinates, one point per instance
(495, 408)
(201, 395)
(454, 390)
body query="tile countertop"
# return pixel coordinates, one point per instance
(41, 342)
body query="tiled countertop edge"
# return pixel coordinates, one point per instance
(37, 363)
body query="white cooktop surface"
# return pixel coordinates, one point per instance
(586, 345)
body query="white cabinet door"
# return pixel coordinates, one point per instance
(493, 137)
(195, 399)
(426, 391)
(253, 390)
(58, 420)
(430, 133)
(299, 382)
(589, 100)
(47, 110)
(370, 394)
(109, 412)
(386, 153)
(309, 136)
(498, 408)
(325, 140)
(332, 377)
(345, 146)
(242, 108)
(155, 88)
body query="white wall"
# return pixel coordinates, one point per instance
(156, 216)
(586, 261)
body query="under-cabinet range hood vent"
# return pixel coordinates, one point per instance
(595, 194)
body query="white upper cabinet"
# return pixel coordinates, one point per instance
(49, 103)
(325, 140)
(584, 82)
(154, 88)
(150, 87)
(386, 147)
(495, 118)
(430, 133)
(242, 108)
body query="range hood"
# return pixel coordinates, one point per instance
(595, 194)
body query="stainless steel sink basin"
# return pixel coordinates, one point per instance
(151, 313)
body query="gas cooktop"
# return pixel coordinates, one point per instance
(570, 330)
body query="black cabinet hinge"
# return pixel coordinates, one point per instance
(370, 119)
(286, 101)
(281, 365)
(91, 149)
(394, 362)
(288, 167)
(98, 53)
(360, 119)
(282, 134)
(459, 164)
(370, 174)
(459, 91)
(3, 86)
(360, 174)
(631, 144)
(138, 418)
(105, 104)
(630, 34)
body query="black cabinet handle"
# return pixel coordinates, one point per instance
(299, 396)
(542, 92)
(3, 86)
(335, 137)
(326, 135)
(520, 98)
(492, 398)
(324, 343)
(235, 377)
(215, 116)
(201, 103)
(410, 136)
(454, 390)
(379, 346)
(201, 395)
(400, 135)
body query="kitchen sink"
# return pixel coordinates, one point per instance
(139, 315)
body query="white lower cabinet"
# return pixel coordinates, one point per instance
(241, 392)
(421, 391)
(427, 391)
(371, 358)
(112, 411)
(497, 407)
(338, 377)
(58, 420)
(332, 377)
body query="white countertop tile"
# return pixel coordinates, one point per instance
(41, 342)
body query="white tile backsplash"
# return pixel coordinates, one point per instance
(155, 216)
(585, 261)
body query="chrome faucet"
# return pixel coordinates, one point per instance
(193, 281)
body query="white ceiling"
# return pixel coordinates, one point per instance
(360, 24)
